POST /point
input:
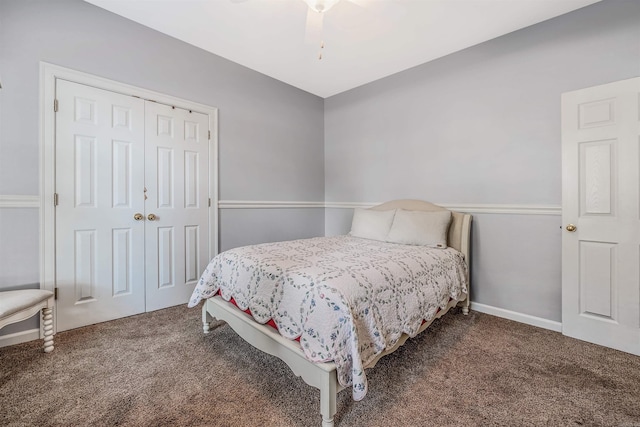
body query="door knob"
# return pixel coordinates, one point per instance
(571, 227)
(138, 217)
(152, 217)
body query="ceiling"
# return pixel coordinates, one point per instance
(365, 40)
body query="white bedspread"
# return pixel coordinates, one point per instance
(346, 298)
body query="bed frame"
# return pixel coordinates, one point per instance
(323, 375)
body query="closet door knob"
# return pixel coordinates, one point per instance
(152, 217)
(138, 217)
(571, 227)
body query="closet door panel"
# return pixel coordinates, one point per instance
(99, 181)
(177, 225)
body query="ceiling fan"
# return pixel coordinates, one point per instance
(315, 18)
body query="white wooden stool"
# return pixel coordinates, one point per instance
(16, 306)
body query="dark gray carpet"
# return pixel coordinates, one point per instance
(158, 369)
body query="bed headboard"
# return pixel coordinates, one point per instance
(459, 230)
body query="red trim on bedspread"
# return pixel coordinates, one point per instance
(272, 323)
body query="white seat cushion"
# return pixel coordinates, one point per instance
(13, 301)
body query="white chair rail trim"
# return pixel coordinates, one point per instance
(261, 204)
(11, 201)
(510, 209)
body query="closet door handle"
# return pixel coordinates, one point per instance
(152, 217)
(138, 217)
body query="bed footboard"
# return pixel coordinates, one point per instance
(322, 376)
(319, 375)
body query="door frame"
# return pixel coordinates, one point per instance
(49, 73)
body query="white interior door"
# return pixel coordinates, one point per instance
(99, 182)
(600, 179)
(177, 224)
(132, 219)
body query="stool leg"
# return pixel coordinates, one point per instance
(47, 322)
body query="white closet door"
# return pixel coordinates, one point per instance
(177, 226)
(99, 182)
(601, 186)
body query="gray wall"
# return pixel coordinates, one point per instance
(479, 126)
(482, 126)
(270, 136)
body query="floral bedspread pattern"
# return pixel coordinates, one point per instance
(346, 298)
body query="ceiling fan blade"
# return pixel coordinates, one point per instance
(313, 29)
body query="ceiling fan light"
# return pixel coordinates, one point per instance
(321, 6)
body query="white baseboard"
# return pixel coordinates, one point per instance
(518, 317)
(34, 334)
(19, 337)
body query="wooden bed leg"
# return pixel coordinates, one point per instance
(465, 307)
(328, 393)
(206, 319)
(47, 326)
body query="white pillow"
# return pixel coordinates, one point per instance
(420, 228)
(370, 224)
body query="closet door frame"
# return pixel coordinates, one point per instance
(49, 74)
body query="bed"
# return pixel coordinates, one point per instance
(331, 307)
